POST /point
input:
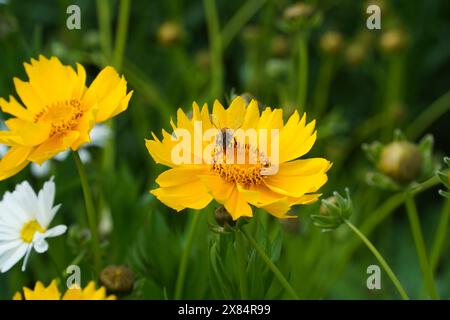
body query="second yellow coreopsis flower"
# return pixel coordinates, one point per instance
(57, 111)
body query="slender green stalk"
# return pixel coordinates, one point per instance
(441, 233)
(104, 18)
(90, 211)
(420, 246)
(375, 219)
(242, 261)
(323, 84)
(271, 265)
(215, 47)
(302, 71)
(179, 287)
(429, 115)
(394, 86)
(121, 34)
(380, 259)
(239, 20)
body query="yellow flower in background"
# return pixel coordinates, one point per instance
(52, 293)
(237, 185)
(57, 111)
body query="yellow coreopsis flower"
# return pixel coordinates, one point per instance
(52, 293)
(57, 111)
(194, 183)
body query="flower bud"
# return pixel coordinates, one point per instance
(331, 42)
(251, 33)
(333, 211)
(400, 160)
(279, 46)
(298, 10)
(355, 53)
(223, 218)
(117, 279)
(444, 176)
(393, 41)
(169, 33)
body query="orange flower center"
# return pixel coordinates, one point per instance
(245, 170)
(63, 116)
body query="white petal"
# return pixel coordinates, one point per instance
(13, 258)
(26, 198)
(62, 155)
(99, 135)
(85, 156)
(3, 150)
(55, 231)
(42, 170)
(46, 198)
(27, 255)
(7, 234)
(13, 213)
(8, 245)
(40, 245)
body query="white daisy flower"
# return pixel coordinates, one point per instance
(24, 220)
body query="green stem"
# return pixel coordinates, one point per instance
(271, 265)
(239, 20)
(375, 219)
(441, 233)
(302, 71)
(90, 211)
(215, 43)
(394, 85)
(429, 115)
(104, 18)
(420, 246)
(380, 259)
(121, 34)
(185, 257)
(323, 84)
(242, 261)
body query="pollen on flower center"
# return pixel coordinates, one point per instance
(247, 173)
(29, 229)
(63, 115)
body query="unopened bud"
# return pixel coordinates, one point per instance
(223, 218)
(393, 41)
(298, 10)
(117, 279)
(169, 33)
(331, 42)
(400, 160)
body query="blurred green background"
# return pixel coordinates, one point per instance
(361, 85)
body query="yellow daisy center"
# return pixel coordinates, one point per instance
(63, 116)
(246, 174)
(29, 229)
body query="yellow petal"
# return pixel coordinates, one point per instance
(251, 116)
(14, 108)
(14, 161)
(53, 146)
(219, 115)
(217, 187)
(192, 194)
(237, 206)
(296, 178)
(235, 113)
(181, 175)
(296, 139)
(108, 91)
(29, 96)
